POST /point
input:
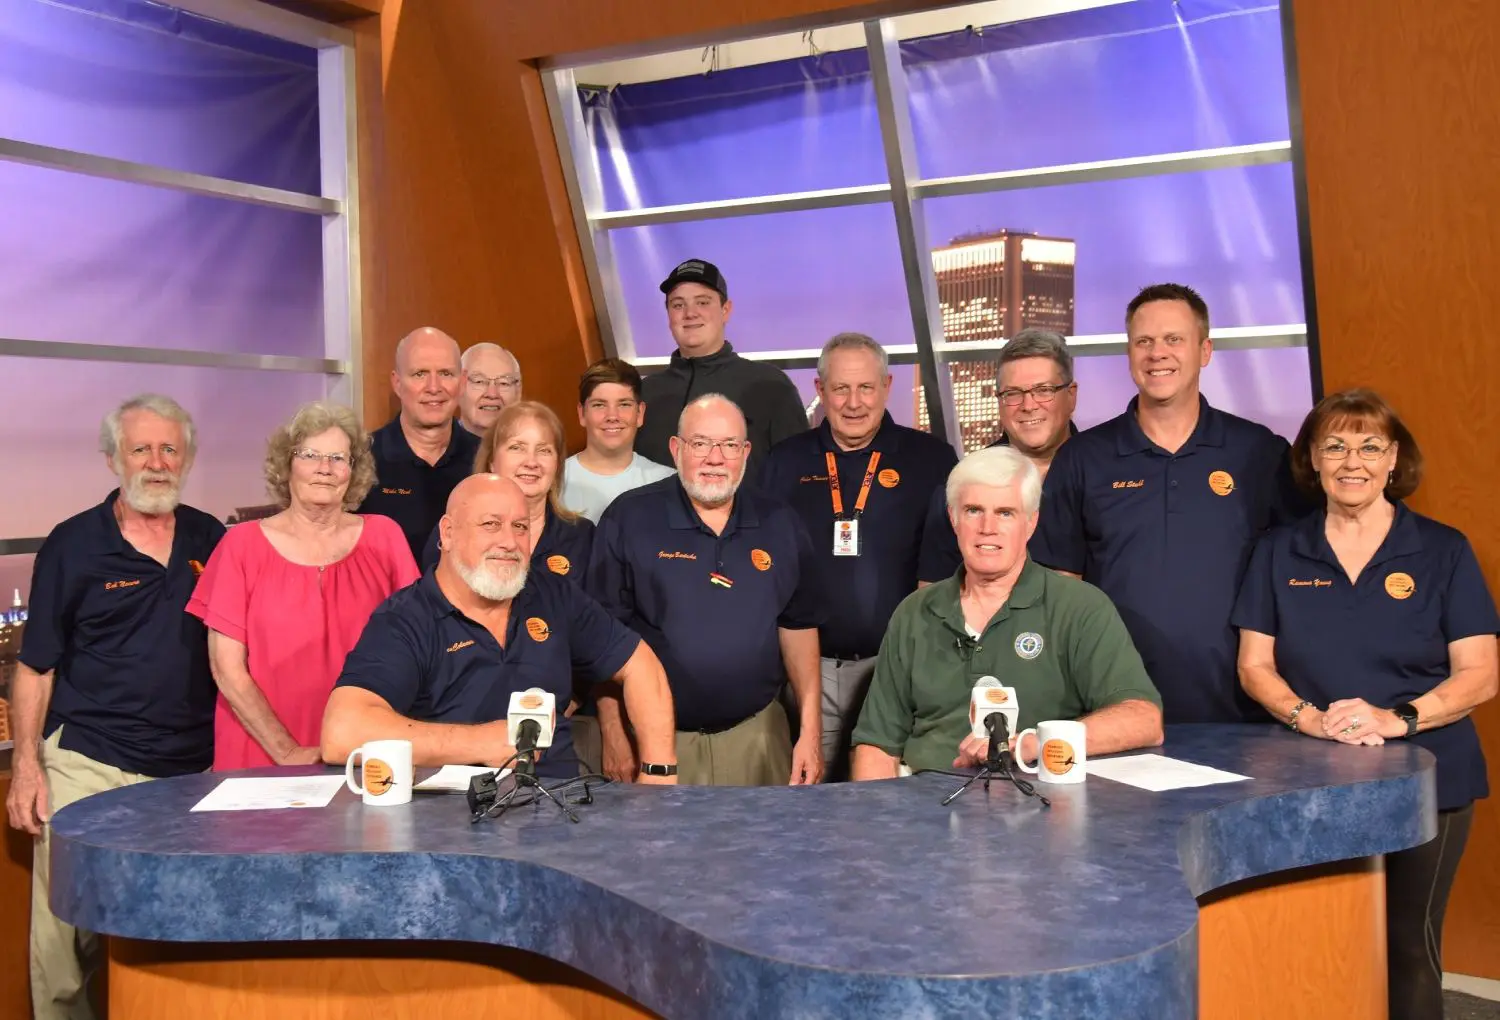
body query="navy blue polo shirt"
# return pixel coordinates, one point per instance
(863, 590)
(410, 491)
(940, 558)
(433, 664)
(708, 605)
(563, 549)
(1167, 537)
(132, 686)
(1383, 638)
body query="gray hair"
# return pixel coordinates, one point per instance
(852, 342)
(997, 466)
(708, 400)
(1039, 343)
(484, 348)
(112, 429)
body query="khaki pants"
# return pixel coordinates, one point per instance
(64, 960)
(756, 752)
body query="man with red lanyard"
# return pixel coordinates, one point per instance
(866, 547)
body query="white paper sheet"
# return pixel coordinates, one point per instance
(270, 793)
(1156, 772)
(454, 778)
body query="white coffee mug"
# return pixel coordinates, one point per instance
(1062, 751)
(385, 772)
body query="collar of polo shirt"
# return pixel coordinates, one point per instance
(1133, 439)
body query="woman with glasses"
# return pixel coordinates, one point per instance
(286, 598)
(1367, 622)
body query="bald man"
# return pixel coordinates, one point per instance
(420, 455)
(719, 581)
(491, 383)
(439, 660)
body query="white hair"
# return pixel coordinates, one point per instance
(853, 342)
(487, 348)
(112, 429)
(997, 466)
(709, 400)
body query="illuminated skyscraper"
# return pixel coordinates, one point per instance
(990, 287)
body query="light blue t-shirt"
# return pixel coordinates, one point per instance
(587, 493)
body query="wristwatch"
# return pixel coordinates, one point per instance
(1407, 713)
(649, 769)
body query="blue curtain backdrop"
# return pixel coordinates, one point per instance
(1134, 79)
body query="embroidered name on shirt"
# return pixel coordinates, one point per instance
(395, 492)
(458, 646)
(1138, 483)
(1316, 582)
(664, 555)
(805, 479)
(112, 585)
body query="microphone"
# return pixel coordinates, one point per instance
(530, 722)
(993, 713)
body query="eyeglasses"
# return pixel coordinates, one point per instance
(733, 449)
(1338, 451)
(481, 383)
(336, 461)
(1042, 394)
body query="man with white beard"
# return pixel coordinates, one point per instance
(439, 660)
(720, 582)
(113, 685)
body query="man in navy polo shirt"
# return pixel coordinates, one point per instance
(719, 581)
(1036, 394)
(861, 485)
(113, 672)
(439, 660)
(1160, 508)
(422, 453)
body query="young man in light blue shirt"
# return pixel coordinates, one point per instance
(610, 410)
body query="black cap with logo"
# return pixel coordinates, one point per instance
(697, 271)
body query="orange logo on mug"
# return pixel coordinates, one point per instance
(761, 559)
(889, 478)
(1399, 585)
(378, 776)
(559, 565)
(1221, 482)
(1057, 757)
(538, 629)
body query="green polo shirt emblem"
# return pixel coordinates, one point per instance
(1029, 644)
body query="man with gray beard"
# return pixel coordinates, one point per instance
(720, 582)
(113, 685)
(439, 660)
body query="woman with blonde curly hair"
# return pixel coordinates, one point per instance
(286, 598)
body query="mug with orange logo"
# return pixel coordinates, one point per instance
(384, 770)
(1062, 751)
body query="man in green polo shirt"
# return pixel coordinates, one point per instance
(1057, 640)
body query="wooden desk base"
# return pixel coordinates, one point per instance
(1306, 943)
(1293, 945)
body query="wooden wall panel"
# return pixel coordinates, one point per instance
(1402, 135)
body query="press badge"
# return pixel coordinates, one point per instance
(846, 538)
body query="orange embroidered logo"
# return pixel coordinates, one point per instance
(538, 629)
(197, 567)
(395, 492)
(559, 565)
(112, 585)
(1315, 582)
(1139, 483)
(459, 646)
(890, 478)
(1399, 586)
(761, 559)
(664, 555)
(1221, 482)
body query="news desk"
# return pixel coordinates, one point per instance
(1260, 899)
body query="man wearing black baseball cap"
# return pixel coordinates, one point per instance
(698, 307)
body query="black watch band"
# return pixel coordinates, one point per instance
(649, 769)
(1407, 713)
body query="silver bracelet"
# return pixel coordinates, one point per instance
(1291, 720)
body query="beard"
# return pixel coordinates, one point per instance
(712, 492)
(144, 498)
(490, 578)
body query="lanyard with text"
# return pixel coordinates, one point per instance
(846, 531)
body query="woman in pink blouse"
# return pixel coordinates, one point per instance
(286, 598)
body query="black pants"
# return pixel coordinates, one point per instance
(1417, 883)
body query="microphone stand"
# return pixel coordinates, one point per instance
(997, 764)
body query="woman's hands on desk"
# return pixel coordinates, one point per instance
(1356, 721)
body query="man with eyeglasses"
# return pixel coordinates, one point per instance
(698, 309)
(1161, 506)
(719, 580)
(421, 454)
(1037, 396)
(491, 382)
(861, 484)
